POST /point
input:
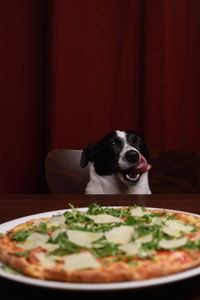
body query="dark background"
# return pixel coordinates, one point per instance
(72, 70)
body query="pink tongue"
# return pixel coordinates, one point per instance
(142, 167)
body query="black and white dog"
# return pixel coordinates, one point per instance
(118, 164)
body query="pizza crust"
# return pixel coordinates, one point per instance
(164, 265)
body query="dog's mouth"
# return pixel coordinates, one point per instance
(132, 175)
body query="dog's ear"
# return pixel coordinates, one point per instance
(89, 154)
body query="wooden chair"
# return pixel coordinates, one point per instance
(63, 172)
(173, 171)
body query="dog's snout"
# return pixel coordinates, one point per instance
(132, 156)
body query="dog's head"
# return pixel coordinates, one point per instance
(119, 152)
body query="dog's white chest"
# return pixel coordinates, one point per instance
(112, 185)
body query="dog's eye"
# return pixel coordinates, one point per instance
(115, 142)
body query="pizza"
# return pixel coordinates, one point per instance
(103, 244)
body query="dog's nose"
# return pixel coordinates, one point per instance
(132, 156)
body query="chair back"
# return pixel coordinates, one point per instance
(63, 172)
(175, 171)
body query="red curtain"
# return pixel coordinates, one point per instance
(22, 94)
(72, 70)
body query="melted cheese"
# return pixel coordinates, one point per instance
(83, 238)
(34, 240)
(171, 244)
(145, 239)
(158, 221)
(56, 221)
(50, 247)
(104, 218)
(134, 247)
(56, 233)
(119, 235)
(45, 261)
(78, 261)
(175, 228)
(130, 248)
(138, 212)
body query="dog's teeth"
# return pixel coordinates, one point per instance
(130, 178)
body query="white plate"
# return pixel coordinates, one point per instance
(89, 286)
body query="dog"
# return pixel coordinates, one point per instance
(118, 164)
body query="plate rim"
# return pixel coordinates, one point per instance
(71, 286)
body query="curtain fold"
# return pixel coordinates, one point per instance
(22, 92)
(171, 74)
(72, 70)
(95, 60)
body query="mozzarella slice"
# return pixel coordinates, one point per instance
(130, 248)
(119, 235)
(134, 247)
(83, 238)
(171, 244)
(34, 240)
(78, 261)
(160, 221)
(175, 227)
(50, 247)
(138, 212)
(144, 239)
(171, 231)
(104, 218)
(45, 261)
(56, 233)
(56, 221)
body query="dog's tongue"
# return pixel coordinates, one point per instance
(142, 167)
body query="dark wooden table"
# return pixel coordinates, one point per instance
(16, 206)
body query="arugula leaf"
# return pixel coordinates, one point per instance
(144, 229)
(95, 209)
(75, 216)
(12, 270)
(133, 221)
(107, 249)
(93, 227)
(42, 228)
(25, 253)
(65, 246)
(193, 245)
(20, 235)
